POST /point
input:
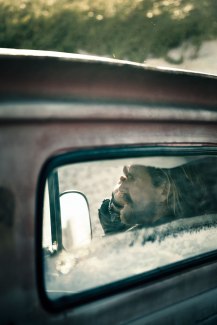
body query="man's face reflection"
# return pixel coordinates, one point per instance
(138, 197)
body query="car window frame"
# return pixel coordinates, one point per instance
(106, 153)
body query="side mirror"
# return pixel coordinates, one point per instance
(75, 219)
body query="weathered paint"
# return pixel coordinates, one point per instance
(27, 142)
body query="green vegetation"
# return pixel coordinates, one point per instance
(124, 29)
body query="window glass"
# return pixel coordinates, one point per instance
(109, 220)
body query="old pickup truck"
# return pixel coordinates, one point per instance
(68, 125)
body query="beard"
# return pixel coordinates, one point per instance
(133, 214)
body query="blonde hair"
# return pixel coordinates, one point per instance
(191, 188)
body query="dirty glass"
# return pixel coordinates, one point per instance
(123, 217)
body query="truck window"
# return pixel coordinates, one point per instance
(123, 217)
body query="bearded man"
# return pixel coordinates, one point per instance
(148, 196)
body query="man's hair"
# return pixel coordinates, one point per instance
(191, 188)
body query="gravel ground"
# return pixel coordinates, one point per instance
(202, 60)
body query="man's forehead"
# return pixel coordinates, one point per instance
(137, 170)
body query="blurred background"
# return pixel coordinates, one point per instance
(96, 180)
(176, 33)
